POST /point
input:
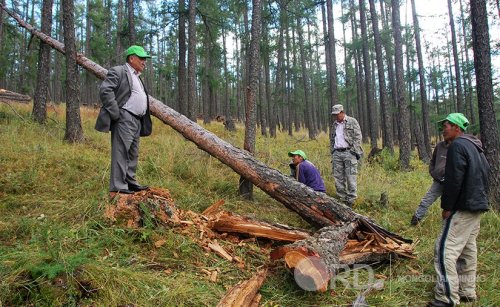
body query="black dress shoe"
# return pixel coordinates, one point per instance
(123, 191)
(137, 188)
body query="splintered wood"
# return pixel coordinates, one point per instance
(244, 293)
(313, 257)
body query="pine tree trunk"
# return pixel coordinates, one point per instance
(467, 78)
(191, 78)
(246, 187)
(458, 78)
(484, 85)
(42, 81)
(423, 94)
(2, 79)
(370, 104)
(404, 121)
(387, 141)
(305, 83)
(131, 23)
(119, 29)
(74, 131)
(181, 70)
(334, 99)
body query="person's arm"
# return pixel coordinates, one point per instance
(456, 165)
(107, 93)
(432, 164)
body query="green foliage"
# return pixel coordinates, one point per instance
(56, 248)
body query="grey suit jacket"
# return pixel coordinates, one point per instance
(114, 92)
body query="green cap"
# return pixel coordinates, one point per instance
(458, 119)
(298, 153)
(138, 51)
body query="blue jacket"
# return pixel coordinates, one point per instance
(309, 175)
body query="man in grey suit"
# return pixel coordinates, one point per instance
(125, 112)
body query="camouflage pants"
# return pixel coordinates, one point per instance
(345, 171)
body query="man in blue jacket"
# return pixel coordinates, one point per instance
(465, 197)
(305, 172)
(125, 112)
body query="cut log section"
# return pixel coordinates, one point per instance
(244, 293)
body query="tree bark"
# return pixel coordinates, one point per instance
(245, 185)
(74, 130)
(333, 65)
(404, 123)
(370, 104)
(131, 23)
(458, 78)
(484, 86)
(387, 141)
(305, 83)
(467, 78)
(191, 78)
(316, 208)
(423, 93)
(43, 73)
(182, 86)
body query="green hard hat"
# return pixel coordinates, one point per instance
(458, 119)
(298, 153)
(138, 51)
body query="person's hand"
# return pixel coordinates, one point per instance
(445, 214)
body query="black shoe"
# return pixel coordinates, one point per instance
(467, 299)
(123, 191)
(137, 188)
(414, 220)
(436, 303)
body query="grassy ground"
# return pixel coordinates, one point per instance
(56, 248)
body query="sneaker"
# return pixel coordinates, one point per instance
(415, 220)
(436, 303)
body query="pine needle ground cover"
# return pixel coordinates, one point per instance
(57, 248)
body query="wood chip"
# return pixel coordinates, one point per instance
(213, 276)
(220, 251)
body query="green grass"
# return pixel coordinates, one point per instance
(56, 248)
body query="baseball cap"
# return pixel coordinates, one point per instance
(298, 153)
(336, 109)
(138, 51)
(458, 119)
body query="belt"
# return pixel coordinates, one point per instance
(139, 117)
(340, 149)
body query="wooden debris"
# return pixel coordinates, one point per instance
(228, 222)
(213, 209)
(244, 293)
(213, 276)
(219, 250)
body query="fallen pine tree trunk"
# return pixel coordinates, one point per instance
(9, 96)
(316, 208)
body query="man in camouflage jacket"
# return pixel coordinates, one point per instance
(346, 150)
